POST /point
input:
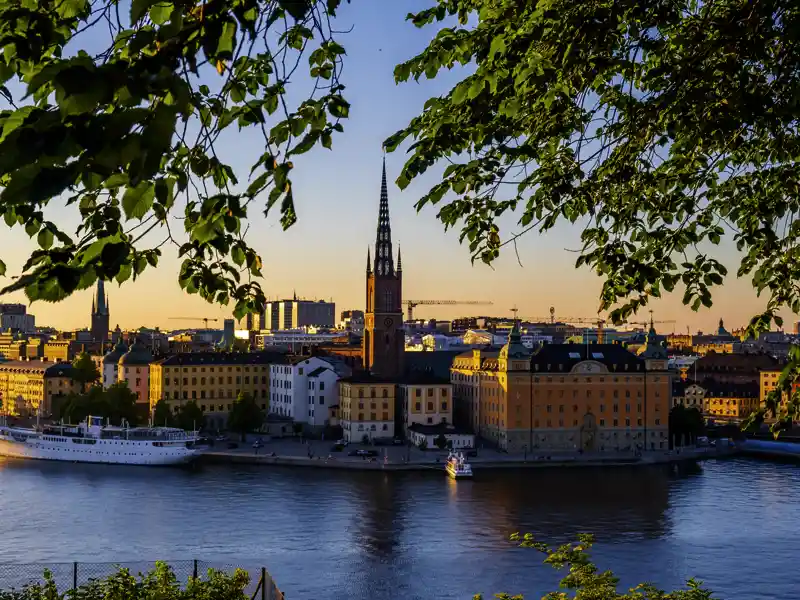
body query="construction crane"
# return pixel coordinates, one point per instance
(205, 320)
(648, 323)
(598, 322)
(411, 304)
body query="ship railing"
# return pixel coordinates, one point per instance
(72, 575)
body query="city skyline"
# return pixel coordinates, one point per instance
(336, 193)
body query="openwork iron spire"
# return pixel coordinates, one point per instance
(384, 262)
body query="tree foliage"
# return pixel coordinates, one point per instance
(686, 424)
(662, 128)
(440, 441)
(585, 581)
(245, 415)
(161, 583)
(84, 371)
(162, 415)
(126, 136)
(189, 417)
(117, 403)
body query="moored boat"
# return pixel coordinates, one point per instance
(457, 467)
(93, 442)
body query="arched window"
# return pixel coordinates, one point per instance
(387, 301)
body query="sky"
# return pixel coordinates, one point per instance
(336, 193)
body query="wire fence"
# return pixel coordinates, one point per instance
(75, 574)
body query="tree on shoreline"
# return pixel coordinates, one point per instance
(245, 415)
(84, 371)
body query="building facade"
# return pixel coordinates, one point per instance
(213, 380)
(15, 317)
(367, 407)
(291, 392)
(589, 397)
(28, 387)
(425, 400)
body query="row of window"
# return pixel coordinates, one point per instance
(211, 394)
(549, 422)
(256, 369)
(176, 381)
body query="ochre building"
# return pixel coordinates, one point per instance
(213, 380)
(596, 397)
(30, 386)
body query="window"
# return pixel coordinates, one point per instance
(417, 406)
(321, 386)
(444, 392)
(430, 391)
(444, 406)
(417, 392)
(430, 406)
(385, 393)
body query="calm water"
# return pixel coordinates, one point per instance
(331, 535)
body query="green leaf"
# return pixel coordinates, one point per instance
(139, 8)
(161, 12)
(2, 269)
(45, 239)
(296, 8)
(227, 41)
(138, 200)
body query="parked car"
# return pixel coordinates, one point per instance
(398, 442)
(205, 441)
(342, 443)
(222, 438)
(232, 445)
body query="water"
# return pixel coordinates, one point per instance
(330, 535)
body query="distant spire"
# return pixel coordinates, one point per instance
(369, 262)
(99, 306)
(294, 297)
(384, 262)
(399, 259)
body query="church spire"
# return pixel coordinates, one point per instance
(399, 260)
(99, 304)
(384, 262)
(369, 262)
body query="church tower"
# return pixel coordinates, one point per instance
(384, 337)
(100, 314)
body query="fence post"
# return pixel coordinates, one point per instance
(75, 575)
(194, 571)
(264, 584)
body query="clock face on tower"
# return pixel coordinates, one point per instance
(388, 322)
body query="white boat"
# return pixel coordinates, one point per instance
(92, 442)
(457, 466)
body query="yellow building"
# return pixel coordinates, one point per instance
(426, 400)
(367, 407)
(768, 381)
(730, 401)
(566, 396)
(30, 386)
(213, 380)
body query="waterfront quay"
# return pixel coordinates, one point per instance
(318, 454)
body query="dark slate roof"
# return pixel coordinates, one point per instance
(319, 371)
(563, 357)
(716, 389)
(59, 370)
(437, 362)
(119, 350)
(363, 377)
(139, 354)
(736, 363)
(423, 378)
(222, 358)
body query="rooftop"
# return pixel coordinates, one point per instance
(222, 358)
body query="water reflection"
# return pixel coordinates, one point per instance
(329, 535)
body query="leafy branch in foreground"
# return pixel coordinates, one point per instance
(586, 582)
(661, 128)
(125, 133)
(160, 583)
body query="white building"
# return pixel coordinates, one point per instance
(426, 435)
(323, 392)
(296, 339)
(110, 367)
(291, 392)
(481, 337)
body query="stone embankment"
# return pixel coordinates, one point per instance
(504, 461)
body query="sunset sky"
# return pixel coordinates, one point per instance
(336, 195)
